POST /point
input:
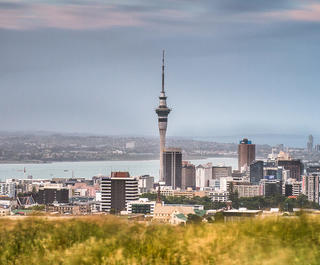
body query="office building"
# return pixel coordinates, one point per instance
(294, 165)
(256, 172)
(270, 187)
(172, 161)
(221, 172)
(51, 194)
(188, 175)
(162, 112)
(246, 154)
(117, 191)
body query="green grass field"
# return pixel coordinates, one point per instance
(110, 240)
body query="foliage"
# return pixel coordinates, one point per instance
(194, 219)
(218, 217)
(205, 201)
(277, 201)
(37, 208)
(252, 203)
(109, 240)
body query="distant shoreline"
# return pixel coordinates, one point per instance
(116, 160)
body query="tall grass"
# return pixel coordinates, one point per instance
(109, 240)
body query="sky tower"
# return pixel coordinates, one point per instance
(162, 112)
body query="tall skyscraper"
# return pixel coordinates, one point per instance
(310, 143)
(162, 112)
(246, 153)
(172, 161)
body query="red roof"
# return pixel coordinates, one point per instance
(120, 175)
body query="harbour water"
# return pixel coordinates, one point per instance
(94, 168)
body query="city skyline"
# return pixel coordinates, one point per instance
(236, 68)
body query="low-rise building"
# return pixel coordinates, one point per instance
(4, 211)
(239, 215)
(167, 213)
(247, 190)
(72, 209)
(141, 206)
(218, 195)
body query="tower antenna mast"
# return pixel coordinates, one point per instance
(163, 71)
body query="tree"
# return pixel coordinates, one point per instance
(194, 219)
(234, 197)
(219, 217)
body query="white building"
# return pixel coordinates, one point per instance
(222, 183)
(146, 184)
(8, 189)
(292, 186)
(219, 196)
(310, 187)
(141, 206)
(203, 175)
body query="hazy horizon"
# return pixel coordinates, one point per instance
(289, 140)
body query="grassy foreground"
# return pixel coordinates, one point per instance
(109, 240)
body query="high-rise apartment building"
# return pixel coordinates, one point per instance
(172, 161)
(162, 112)
(292, 187)
(117, 191)
(310, 187)
(246, 153)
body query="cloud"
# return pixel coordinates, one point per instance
(236, 6)
(95, 15)
(310, 13)
(184, 15)
(66, 17)
(12, 5)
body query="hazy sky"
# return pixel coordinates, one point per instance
(232, 66)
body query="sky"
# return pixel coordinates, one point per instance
(233, 67)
